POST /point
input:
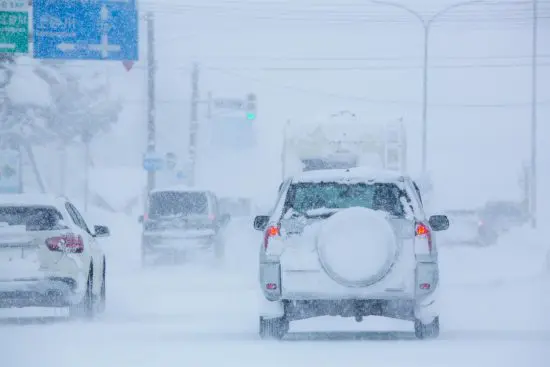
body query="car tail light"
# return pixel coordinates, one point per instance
(271, 231)
(423, 234)
(66, 243)
(212, 217)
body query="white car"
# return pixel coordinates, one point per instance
(49, 257)
(350, 243)
(468, 228)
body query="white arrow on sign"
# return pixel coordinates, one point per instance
(104, 47)
(104, 13)
(9, 46)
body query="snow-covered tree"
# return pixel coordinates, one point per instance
(52, 104)
(82, 105)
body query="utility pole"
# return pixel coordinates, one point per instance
(86, 139)
(209, 106)
(151, 75)
(194, 123)
(534, 117)
(425, 98)
(427, 24)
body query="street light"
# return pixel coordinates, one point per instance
(533, 191)
(427, 24)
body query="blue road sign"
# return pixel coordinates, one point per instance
(85, 29)
(153, 162)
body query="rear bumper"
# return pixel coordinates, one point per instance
(162, 242)
(313, 298)
(39, 292)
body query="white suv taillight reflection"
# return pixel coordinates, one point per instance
(423, 240)
(270, 232)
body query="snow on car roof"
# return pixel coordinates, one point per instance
(179, 188)
(358, 174)
(29, 200)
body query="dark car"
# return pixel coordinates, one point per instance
(501, 216)
(180, 221)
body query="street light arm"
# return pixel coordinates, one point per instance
(416, 14)
(451, 7)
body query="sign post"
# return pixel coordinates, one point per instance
(14, 26)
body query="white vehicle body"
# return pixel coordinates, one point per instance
(49, 257)
(343, 141)
(296, 282)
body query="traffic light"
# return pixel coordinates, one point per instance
(251, 107)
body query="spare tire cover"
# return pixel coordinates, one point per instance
(357, 246)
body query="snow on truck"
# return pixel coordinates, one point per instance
(344, 141)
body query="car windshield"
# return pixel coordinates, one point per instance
(34, 218)
(304, 197)
(177, 203)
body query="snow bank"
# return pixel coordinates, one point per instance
(519, 256)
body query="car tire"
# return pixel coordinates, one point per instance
(144, 262)
(103, 292)
(219, 249)
(273, 328)
(426, 331)
(86, 307)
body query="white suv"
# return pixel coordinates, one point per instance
(350, 243)
(49, 257)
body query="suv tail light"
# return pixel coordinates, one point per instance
(271, 231)
(66, 243)
(424, 235)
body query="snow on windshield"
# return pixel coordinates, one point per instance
(305, 197)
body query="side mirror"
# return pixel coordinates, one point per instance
(101, 231)
(439, 222)
(260, 222)
(140, 219)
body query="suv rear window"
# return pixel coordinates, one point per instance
(35, 218)
(306, 196)
(177, 203)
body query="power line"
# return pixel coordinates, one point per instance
(264, 81)
(340, 12)
(369, 68)
(349, 68)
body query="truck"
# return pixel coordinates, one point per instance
(343, 140)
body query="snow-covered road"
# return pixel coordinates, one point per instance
(496, 312)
